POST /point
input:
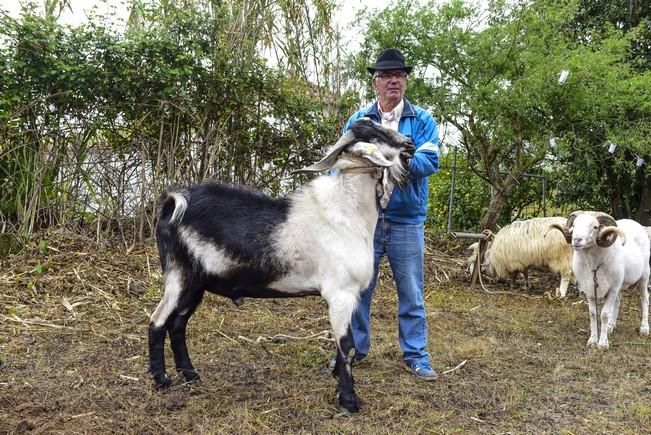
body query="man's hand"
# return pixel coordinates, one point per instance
(407, 154)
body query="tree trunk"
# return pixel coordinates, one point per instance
(644, 209)
(498, 198)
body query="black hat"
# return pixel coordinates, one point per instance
(389, 59)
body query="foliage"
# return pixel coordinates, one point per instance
(495, 78)
(96, 121)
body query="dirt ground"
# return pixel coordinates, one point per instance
(73, 352)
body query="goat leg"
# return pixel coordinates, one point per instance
(157, 356)
(348, 400)
(177, 325)
(179, 348)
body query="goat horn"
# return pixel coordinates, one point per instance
(563, 229)
(608, 235)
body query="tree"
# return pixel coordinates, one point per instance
(94, 123)
(494, 75)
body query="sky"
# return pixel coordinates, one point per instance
(81, 9)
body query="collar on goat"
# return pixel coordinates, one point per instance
(378, 172)
(383, 189)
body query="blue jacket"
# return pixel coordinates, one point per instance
(409, 205)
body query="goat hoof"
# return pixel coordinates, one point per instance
(189, 375)
(592, 342)
(644, 330)
(161, 381)
(603, 345)
(349, 403)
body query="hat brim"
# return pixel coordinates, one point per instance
(389, 67)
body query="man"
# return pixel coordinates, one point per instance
(399, 233)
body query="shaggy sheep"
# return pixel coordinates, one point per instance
(522, 245)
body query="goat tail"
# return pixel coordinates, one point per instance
(173, 205)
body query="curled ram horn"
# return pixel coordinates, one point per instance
(563, 229)
(570, 220)
(605, 220)
(608, 234)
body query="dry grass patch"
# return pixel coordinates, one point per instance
(73, 339)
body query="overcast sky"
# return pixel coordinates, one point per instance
(81, 9)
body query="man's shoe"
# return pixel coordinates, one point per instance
(422, 369)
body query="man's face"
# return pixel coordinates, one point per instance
(391, 86)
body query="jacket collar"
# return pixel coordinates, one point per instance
(374, 111)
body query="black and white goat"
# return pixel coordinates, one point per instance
(238, 243)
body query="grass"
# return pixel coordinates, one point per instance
(73, 346)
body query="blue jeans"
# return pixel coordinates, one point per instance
(404, 245)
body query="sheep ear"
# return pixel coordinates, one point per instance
(329, 160)
(608, 235)
(563, 229)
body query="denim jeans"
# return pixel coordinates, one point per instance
(404, 245)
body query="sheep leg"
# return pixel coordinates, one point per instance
(561, 292)
(592, 309)
(614, 314)
(527, 285)
(513, 279)
(612, 299)
(176, 328)
(341, 308)
(644, 299)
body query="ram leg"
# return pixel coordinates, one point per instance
(614, 314)
(644, 300)
(612, 300)
(592, 309)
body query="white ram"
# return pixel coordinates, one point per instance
(609, 255)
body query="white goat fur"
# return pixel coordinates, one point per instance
(623, 264)
(522, 245)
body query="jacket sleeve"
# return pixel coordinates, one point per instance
(426, 158)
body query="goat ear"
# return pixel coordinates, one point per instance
(563, 229)
(608, 235)
(371, 153)
(329, 160)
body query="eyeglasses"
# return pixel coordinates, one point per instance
(389, 75)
